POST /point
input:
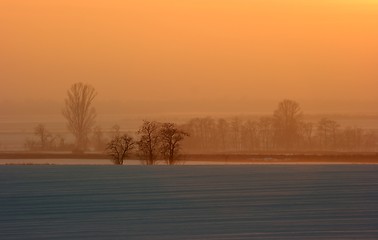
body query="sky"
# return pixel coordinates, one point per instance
(190, 55)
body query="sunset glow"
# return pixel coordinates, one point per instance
(193, 55)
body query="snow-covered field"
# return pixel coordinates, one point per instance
(189, 202)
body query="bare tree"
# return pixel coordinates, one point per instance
(306, 135)
(43, 134)
(119, 148)
(287, 119)
(149, 142)
(265, 133)
(222, 129)
(196, 138)
(170, 138)
(249, 133)
(352, 138)
(80, 113)
(327, 133)
(236, 125)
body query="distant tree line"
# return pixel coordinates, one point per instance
(46, 141)
(284, 130)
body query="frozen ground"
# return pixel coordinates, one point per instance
(189, 202)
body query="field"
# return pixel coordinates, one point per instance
(189, 202)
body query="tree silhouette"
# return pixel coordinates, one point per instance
(119, 147)
(170, 138)
(327, 133)
(79, 113)
(149, 142)
(43, 134)
(287, 119)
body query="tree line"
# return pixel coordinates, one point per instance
(156, 141)
(285, 130)
(46, 140)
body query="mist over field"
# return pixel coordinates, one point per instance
(174, 61)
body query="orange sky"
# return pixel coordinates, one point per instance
(192, 55)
